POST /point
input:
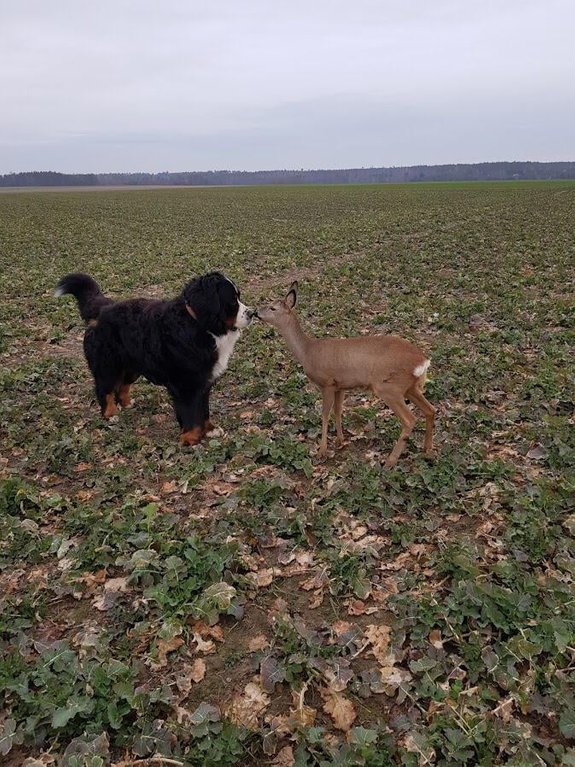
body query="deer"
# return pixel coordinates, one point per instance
(392, 367)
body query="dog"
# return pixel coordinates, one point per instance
(184, 344)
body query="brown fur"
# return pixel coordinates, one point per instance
(384, 364)
(111, 408)
(192, 437)
(124, 397)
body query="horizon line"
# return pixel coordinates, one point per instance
(294, 170)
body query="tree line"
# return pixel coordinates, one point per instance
(485, 171)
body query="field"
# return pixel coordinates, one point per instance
(243, 602)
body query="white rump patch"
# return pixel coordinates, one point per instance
(421, 369)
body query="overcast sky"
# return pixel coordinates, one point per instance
(153, 85)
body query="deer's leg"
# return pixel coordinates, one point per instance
(394, 400)
(339, 397)
(416, 396)
(328, 395)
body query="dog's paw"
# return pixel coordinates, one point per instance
(192, 437)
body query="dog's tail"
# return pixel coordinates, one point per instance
(87, 293)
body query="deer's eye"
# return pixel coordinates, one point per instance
(272, 308)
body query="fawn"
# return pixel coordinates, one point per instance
(390, 366)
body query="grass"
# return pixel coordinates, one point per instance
(244, 603)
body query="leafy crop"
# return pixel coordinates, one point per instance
(244, 603)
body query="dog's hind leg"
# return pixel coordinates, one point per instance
(123, 397)
(106, 371)
(106, 385)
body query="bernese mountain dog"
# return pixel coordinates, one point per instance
(184, 344)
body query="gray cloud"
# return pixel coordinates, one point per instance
(123, 85)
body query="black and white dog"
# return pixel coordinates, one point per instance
(184, 344)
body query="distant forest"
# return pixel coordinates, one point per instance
(485, 171)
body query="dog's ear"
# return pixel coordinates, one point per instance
(291, 298)
(201, 295)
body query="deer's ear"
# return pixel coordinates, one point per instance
(291, 297)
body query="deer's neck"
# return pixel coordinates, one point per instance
(297, 341)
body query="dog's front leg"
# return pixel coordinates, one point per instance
(209, 429)
(190, 415)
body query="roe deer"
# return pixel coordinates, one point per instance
(390, 366)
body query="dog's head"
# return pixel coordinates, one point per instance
(214, 301)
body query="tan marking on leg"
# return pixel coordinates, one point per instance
(111, 408)
(124, 395)
(192, 436)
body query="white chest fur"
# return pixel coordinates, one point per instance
(224, 348)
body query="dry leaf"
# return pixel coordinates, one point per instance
(416, 742)
(271, 673)
(338, 676)
(341, 627)
(301, 715)
(435, 638)
(259, 642)
(85, 495)
(341, 710)
(207, 647)
(198, 670)
(246, 707)
(264, 577)
(358, 607)
(382, 593)
(112, 590)
(316, 599)
(285, 758)
(379, 638)
(205, 630)
(278, 607)
(183, 715)
(317, 581)
(222, 488)
(505, 709)
(304, 558)
(92, 579)
(392, 678)
(164, 647)
(184, 682)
